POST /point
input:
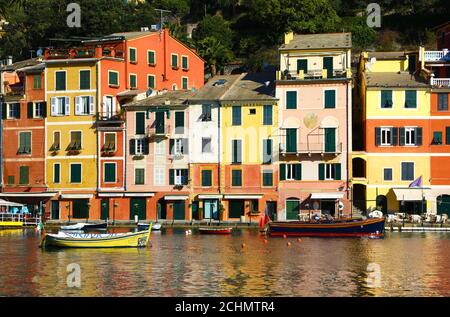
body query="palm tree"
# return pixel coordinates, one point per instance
(214, 53)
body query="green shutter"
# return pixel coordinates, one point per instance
(330, 140)
(30, 110)
(113, 79)
(337, 172)
(291, 100)
(184, 83)
(267, 151)
(236, 178)
(267, 116)
(133, 83)
(282, 172)
(56, 173)
(321, 171)
(132, 147)
(3, 111)
(418, 136)
(140, 122)
(330, 99)
(110, 172)
(394, 136)
(139, 176)
(302, 64)
(377, 136)
(298, 171)
(184, 61)
(151, 58)
(75, 173)
(60, 80)
(402, 136)
(291, 140)
(179, 122)
(237, 120)
(24, 175)
(184, 176)
(267, 178)
(207, 178)
(151, 81)
(410, 99)
(386, 99)
(175, 61)
(447, 135)
(171, 177)
(85, 79)
(37, 81)
(132, 55)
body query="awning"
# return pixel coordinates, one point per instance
(176, 197)
(139, 194)
(409, 194)
(9, 203)
(110, 194)
(210, 196)
(45, 194)
(243, 196)
(334, 195)
(77, 196)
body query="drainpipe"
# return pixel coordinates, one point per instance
(125, 151)
(347, 146)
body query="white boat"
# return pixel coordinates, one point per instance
(145, 226)
(77, 226)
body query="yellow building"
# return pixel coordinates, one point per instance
(71, 141)
(394, 150)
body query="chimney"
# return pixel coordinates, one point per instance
(9, 60)
(288, 37)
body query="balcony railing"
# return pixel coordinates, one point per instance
(437, 56)
(158, 130)
(110, 117)
(311, 148)
(70, 53)
(313, 74)
(440, 82)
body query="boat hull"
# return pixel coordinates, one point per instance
(214, 231)
(139, 239)
(353, 228)
(11, 224)
(145, 226)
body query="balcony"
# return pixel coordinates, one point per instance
(162, 130)
(311, 148)
(314, 74)
(437, 56)
(440, 82)
(71, 53)
(110, 117)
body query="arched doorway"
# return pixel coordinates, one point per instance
(358, 168)
(443, 204)
(381, 202)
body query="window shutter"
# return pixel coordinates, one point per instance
(447, 135)
(291, 100)
(91, 104)
(236, 115)
(53, 106)
(44, 109)
(171, 146)
(140, 123)
(282, 172)
(185, 146)
(18, 111)
(184, 176)
(337, 172)
(330, 99)
(4, 111)
(298, 172)
(238, 151)
(418, 136)
(145, 147)
(77, 105)
(67, 105)
(132, 147)
(267, 151)
(394, 136)
(56, 173)
(321, 171)
(171, 177)
(30, 110)
(402, 136)
(179, 122)
(377, 136)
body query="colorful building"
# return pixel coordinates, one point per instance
(314, 88)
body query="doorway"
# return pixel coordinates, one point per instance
(137, 208)
(178, 210)
(328, 207)
(55, 209)
(104, 214)
(211, 209)
(271, 210)
(236, 208)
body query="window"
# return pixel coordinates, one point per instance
(236, 115)
(410, 136)
(84, 105)
(330, 140)
(160, 147)
(387, 174)
(330, 99)
(236, 152)
(252, 111)
(184, 83)
(267, 115)
(290, 172)
(151, 81)
(113, 78)
(302, 64)
(11, 180)
(410, 99)
(140, 145)
(85, 79)
(75, 173)
(39, 109)
(206, 112)
(386, 136)
(437, 137)
(179, 122)
(386, 99)
(291, 100)
(206, 145)
(140, 122)
(236, 178)
(174, 61)
(178, 146)
(133, 55)
(24, 143)
(267, 177)
(267, 151)
(184, 62)
(60, 106)
(442, 102)
(56, 173)
(110, 173)
(139, 176)
(178, 177)
(14, 111)
(56, 141)
(75, 141)
(110, 142)
(206, 178)
(330, 171)
(24, 175)
(37, 81)
(133, 81)
(60, 80)
(407, 171)
(160, 176)
(151, 58)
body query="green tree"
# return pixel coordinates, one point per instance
(214, 53)
(214, 26)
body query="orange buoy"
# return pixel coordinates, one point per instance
(242, 245)
(288, 244)
(284, 236)
(265, 240)
(299, 240)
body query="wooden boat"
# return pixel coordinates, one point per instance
(144, 226)
(86, 226)
(92, 240)
(214, 230)
(373, 227)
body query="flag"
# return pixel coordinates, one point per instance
(417, 182)
(263, 220)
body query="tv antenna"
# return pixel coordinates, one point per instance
(161, 12)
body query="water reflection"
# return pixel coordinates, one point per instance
(196, 265)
